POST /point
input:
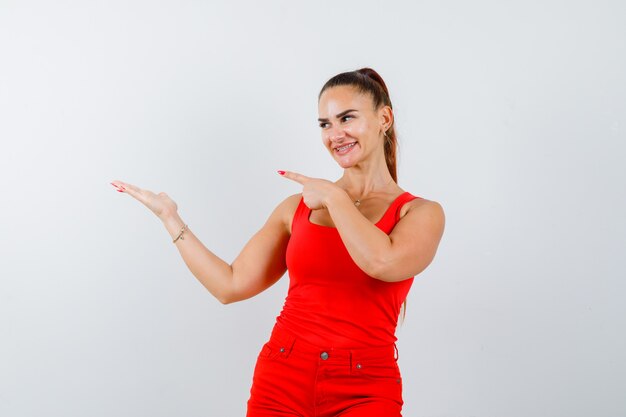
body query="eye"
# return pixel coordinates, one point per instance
(343, 118)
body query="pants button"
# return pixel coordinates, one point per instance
(358, 366)
(324, 356)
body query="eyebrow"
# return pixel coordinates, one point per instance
(343, 113)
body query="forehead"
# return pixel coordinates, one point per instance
(336, 99)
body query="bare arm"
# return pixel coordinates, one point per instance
(405, 252)
(259, 265)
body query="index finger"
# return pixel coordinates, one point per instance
(294, 176)
(131, 189)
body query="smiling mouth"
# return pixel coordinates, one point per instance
(345, 147)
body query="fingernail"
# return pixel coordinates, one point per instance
(281, 172)
(118, 186)
(120, 191)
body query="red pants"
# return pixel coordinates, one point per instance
(294, 378)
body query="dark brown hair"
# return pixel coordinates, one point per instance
(366, 80)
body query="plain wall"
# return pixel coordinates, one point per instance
(510, 114)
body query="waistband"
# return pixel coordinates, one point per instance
(289, 343)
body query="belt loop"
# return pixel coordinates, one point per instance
(351, 361)
(290, 342)
(397, 353)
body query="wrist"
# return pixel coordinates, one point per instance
(170, 217)
(336, 196)
(173, 223)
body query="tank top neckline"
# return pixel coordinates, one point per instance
(393, 203)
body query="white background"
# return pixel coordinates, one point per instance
(510, 114)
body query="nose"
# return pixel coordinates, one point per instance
(336, 134)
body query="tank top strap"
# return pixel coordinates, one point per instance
(301, 213)
(400, 201)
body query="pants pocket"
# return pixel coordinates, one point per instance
(276, 349)
(378, 368)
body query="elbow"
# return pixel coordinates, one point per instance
(382, 276)
(388, 270)
(388, 275)
(230, 295)
(225, 292)
(226, 298)
(379, 269)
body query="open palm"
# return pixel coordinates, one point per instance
(160, 204)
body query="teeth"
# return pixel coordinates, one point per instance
(346, 147)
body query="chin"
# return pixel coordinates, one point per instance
(346, 164)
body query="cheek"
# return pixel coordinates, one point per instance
(325, 140)
(357, 130)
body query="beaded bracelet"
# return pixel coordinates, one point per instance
(180, 234)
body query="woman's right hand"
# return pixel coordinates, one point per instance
(160, 204)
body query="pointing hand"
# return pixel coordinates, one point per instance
(315, 191)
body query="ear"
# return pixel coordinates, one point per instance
(385, 116)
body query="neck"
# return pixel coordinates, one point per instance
(366, 178)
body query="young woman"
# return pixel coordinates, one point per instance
(352, 248)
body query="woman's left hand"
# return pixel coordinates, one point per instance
(315, 191)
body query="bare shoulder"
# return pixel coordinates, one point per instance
(286, 209)
(421, 207)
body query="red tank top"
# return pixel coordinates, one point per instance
(331, 301)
